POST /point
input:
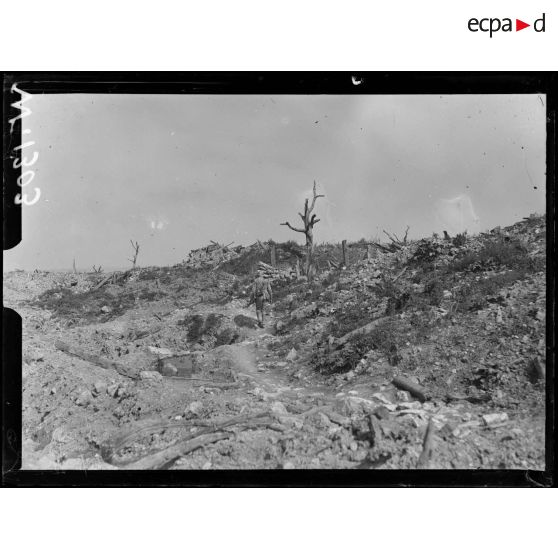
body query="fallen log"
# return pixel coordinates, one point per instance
(364, 330)
(427, 447)
(111, 447)
(97, 360)
(166, 457)
(103, 282)
(210, 435)
(406, 385)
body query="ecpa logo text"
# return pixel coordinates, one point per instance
(492, 25)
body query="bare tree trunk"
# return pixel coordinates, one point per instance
(309, 221)
(136, 247)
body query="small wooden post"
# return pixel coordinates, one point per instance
(368, 252)
(273, 256)
(344, 248)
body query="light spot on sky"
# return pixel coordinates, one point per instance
(457, 215)
(157, 223)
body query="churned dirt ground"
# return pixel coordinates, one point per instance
(166, 367)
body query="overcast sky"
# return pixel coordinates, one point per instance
(174, 172)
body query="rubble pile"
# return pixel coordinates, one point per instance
(274, 273)
(213, 254)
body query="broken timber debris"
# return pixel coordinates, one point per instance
(406, 385)
(96, 359)
(364, 330)
(115, 277)
(209, 435)
(167, 456)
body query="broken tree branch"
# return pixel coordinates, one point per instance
(365, 329)
(406, 233)
(103, 282)
(95, 359)
(205, 436)
(167, 456)
(111, 447)
(292, 228)
(136, 247)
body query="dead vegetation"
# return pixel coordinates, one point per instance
(427, 353)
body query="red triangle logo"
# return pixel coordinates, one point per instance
(519, 25)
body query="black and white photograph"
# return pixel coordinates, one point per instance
(219, 281)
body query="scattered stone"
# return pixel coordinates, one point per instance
(537, 370)
(403, 396)
(290, 421)
(169, 369)
(160, 351)
(106, 309)
(323, 420)
(293, 355)
(112, 390)
(409, 405)
(499, 316)
(195, 408)
(99, 388)
(446, 431)
(84, 398)
(382, 398)
(288, 465)
(120, 392)
(278, 409)
(207, 465)
(53, 391)
(150, 375)
(347, 406)
(494, 419)
(33, 356)
(279, 326)
(381, 412)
